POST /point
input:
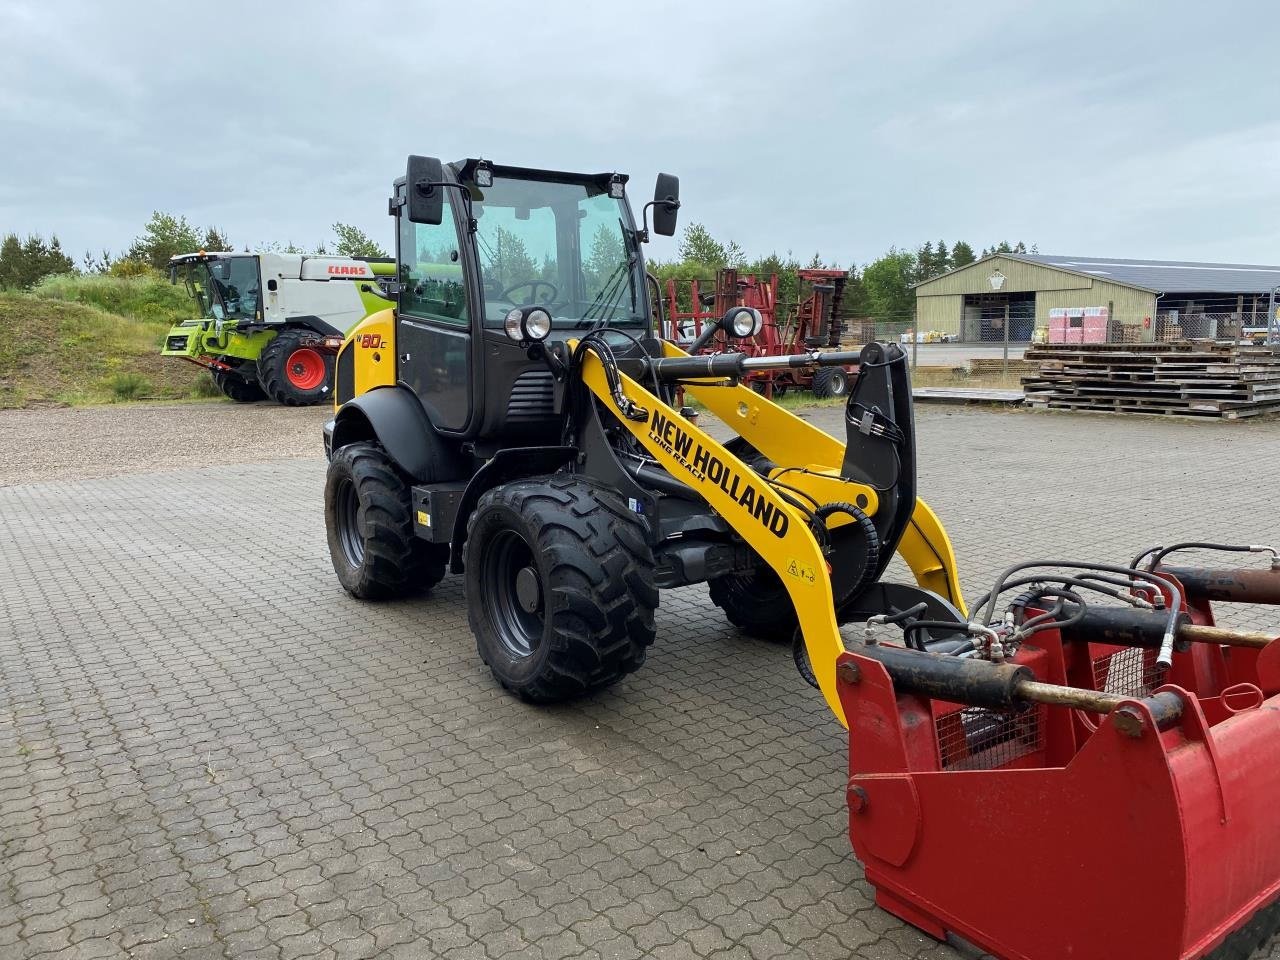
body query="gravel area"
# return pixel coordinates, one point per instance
(82, 443)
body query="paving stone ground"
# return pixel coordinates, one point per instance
(208, 750)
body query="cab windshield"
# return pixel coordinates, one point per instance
(564, 246)
(226, 289)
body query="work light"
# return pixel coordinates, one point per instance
(524, 324)
(743, 322)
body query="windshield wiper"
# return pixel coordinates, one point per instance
(613, 289)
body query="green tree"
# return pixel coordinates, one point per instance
(961, 255)
(165, 236)
(924, 262)
(602, 261)
(511, 263)
(354, 242)
(941, 258)
(888, 285)
(24, 263)
(698, 246)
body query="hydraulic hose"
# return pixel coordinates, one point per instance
(1162, 552)
(1165, 656)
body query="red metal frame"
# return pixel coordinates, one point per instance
(1085, 842)
(807, 322)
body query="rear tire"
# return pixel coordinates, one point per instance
(830, 382)
(293, 373)
(236, 387)
(757, 603)
(560, 587)
(368, 516)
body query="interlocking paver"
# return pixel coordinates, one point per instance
(196, 724)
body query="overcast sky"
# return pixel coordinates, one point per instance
(1103, 129)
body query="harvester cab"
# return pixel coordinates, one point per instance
(270, 324)
(514, 421)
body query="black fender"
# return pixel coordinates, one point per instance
(393, 417)
(513, 463)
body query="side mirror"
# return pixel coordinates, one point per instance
(425, 201)
(666, 202)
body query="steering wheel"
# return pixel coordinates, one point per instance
(533, 294)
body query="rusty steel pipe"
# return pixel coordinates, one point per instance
(1166, 708)
(1239, 585)
(1223, 636)
(1058, 696)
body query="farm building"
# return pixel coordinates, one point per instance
(1118, 300)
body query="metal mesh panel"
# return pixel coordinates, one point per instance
(1127, 673)
(979, 739)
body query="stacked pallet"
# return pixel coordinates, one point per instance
(993, 366)
(1201, 378)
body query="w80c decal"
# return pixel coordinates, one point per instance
(373, 341)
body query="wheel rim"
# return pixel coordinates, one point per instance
(305, 368)
(838, 385)
(347, 521)
(513, 595)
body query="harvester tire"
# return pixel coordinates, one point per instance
(237, 387)
(560, 587)
(294, 373)
(369, 520)
(830, 382)
(756, 603)
(1256, 940)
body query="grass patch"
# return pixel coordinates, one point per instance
(149, 298)
(129, 386)
(71, 352)
(204, 388)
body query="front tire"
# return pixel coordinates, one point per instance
(368, 516)
(236, 387)
(560, 587)
(294, 373)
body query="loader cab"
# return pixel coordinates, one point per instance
(495, 245)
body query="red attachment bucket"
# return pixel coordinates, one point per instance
(1055, 834)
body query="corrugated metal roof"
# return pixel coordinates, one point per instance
(1167, 276)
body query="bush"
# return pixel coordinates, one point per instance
(129, 386)
(132, 268)
(148, 296)
(204, 388)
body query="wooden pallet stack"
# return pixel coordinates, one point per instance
(1199, 378)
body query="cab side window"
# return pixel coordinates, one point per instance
(431, 271)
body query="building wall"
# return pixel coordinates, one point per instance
(940, 313)
(1019, 275)
(940, 302)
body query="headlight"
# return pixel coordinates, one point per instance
(744, 322)
(537, 324)
(512, 324)
(524, 324)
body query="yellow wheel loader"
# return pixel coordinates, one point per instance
(1081, 765)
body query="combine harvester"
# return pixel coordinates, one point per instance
(1081, 766)
(282, 345)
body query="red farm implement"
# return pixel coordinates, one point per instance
(1072, 796)
(809, 326)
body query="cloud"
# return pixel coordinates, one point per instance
(841, 127)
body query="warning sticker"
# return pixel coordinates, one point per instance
(801, 571)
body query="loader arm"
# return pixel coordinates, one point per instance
(776, 530)
(794, 442)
